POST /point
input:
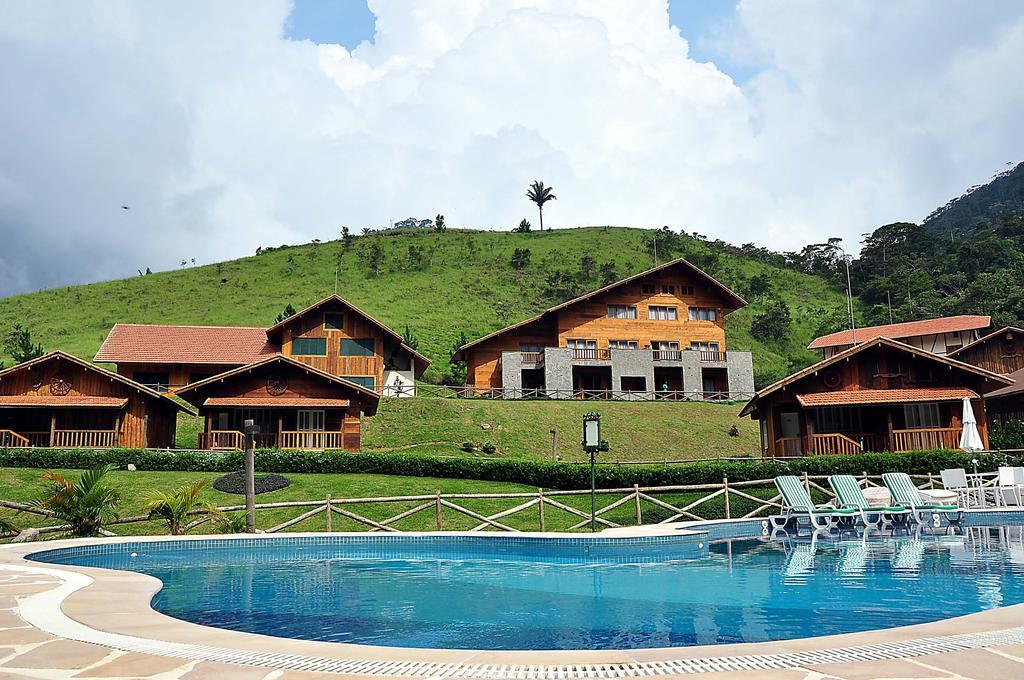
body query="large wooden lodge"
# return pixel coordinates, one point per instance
(658, 334)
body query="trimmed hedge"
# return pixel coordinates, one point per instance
(533, 473)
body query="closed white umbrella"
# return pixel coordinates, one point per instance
(970, 440)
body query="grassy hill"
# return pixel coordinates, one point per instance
(437, 284)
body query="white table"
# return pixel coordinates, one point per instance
(878, 496)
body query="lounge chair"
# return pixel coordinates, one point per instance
(797, 505)
(909, 496)
(850, 495)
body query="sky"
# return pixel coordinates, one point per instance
(140, 134)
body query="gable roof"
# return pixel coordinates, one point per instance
(856, 349)
(160, 344)
(724, 290)
(421, 361)
(58, 355)
(906, 329)
(986, 338)
(1010, 390)
(186, 392)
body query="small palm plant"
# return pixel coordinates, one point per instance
(176, 507)
(230, 523)
(7, 526)
(84, 504)
(540, 194)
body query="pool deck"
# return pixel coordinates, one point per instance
(59, 621)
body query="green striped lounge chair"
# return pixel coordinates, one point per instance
(850, 495)
(797, 505)
(906, 494)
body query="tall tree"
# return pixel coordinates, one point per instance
(18, 344)
(540, 194)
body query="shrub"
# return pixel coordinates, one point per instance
(1008, 436)
(556, 475)
(488, 448)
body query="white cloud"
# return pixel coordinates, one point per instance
(221, 135)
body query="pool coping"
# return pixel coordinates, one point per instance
(112, 608)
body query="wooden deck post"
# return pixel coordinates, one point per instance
(725, 494)
(438, 520)
(117, 430)
(329, 513)
(53, 427)
(540, 506)
(145, 432)
(636, 498)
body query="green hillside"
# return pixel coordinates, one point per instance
(439, 284)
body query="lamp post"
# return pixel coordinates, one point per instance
(592, 443)
(250, 431)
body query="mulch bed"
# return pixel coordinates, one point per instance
(234, 482)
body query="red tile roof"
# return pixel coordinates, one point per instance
(907, 329)
(296, 402)
(145, 343)
(51, 401)
(901, 396)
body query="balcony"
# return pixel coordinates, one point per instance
(531, 358)
(712, 356)
(667, 354)
(591, 354)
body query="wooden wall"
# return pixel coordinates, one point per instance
(1000, 353)
(355, 326)
(145, 421)
(179, 375)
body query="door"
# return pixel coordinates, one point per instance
(311, 422)
(791, 433)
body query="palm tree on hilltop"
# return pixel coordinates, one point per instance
(540, 195)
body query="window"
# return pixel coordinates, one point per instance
(648, 288)
(334, 321)
(623, 344)
(366, 381)
(666, 351)
(659, 313)
(309, 347)
(703, 314)
(583, 349)
(668, 289)
(529, 347)
(621, 312)
(155, 380)
(704, 346)
(686, 290)
(922, 415)
(839, 419)
(356, 347)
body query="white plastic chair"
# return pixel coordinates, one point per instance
(955, 479)
(1011, 480)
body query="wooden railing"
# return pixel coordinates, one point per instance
(37, 438)
(12, 438)
(925, 438)
(222, 440)
(591, 353)
(532, 357)
(471, 392)
(84, 439)
(667, 354)
(712, 355)
(311, 439)
(544, 510)
(833, 444)
(789, 446)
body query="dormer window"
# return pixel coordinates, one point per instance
(334, 321)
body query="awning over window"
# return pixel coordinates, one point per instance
(901, 396)
(275, 402)
(50, 401)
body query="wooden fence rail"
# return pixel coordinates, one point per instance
(629, 501)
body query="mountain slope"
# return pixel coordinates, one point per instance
(1000, 197)
(439, 284)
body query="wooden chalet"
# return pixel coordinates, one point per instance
(62, 401)
(880, 395)
(1000, 352)
(295, 405)
(944, 335)
(332, 335)
(659, 332)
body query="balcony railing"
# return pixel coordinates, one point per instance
(10, 438)
(222, 440)
(711, 355)
(667, 355)
(591, 353)
(833, 444)
(925, 438)
(311, 439)
(84, 439)
(532, 357)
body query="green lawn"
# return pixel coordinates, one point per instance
(24, 484)
(522, 429)
(467, 285)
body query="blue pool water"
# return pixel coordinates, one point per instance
(734, 591)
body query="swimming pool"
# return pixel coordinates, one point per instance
(494, 593)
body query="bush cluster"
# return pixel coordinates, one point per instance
(534, 473)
